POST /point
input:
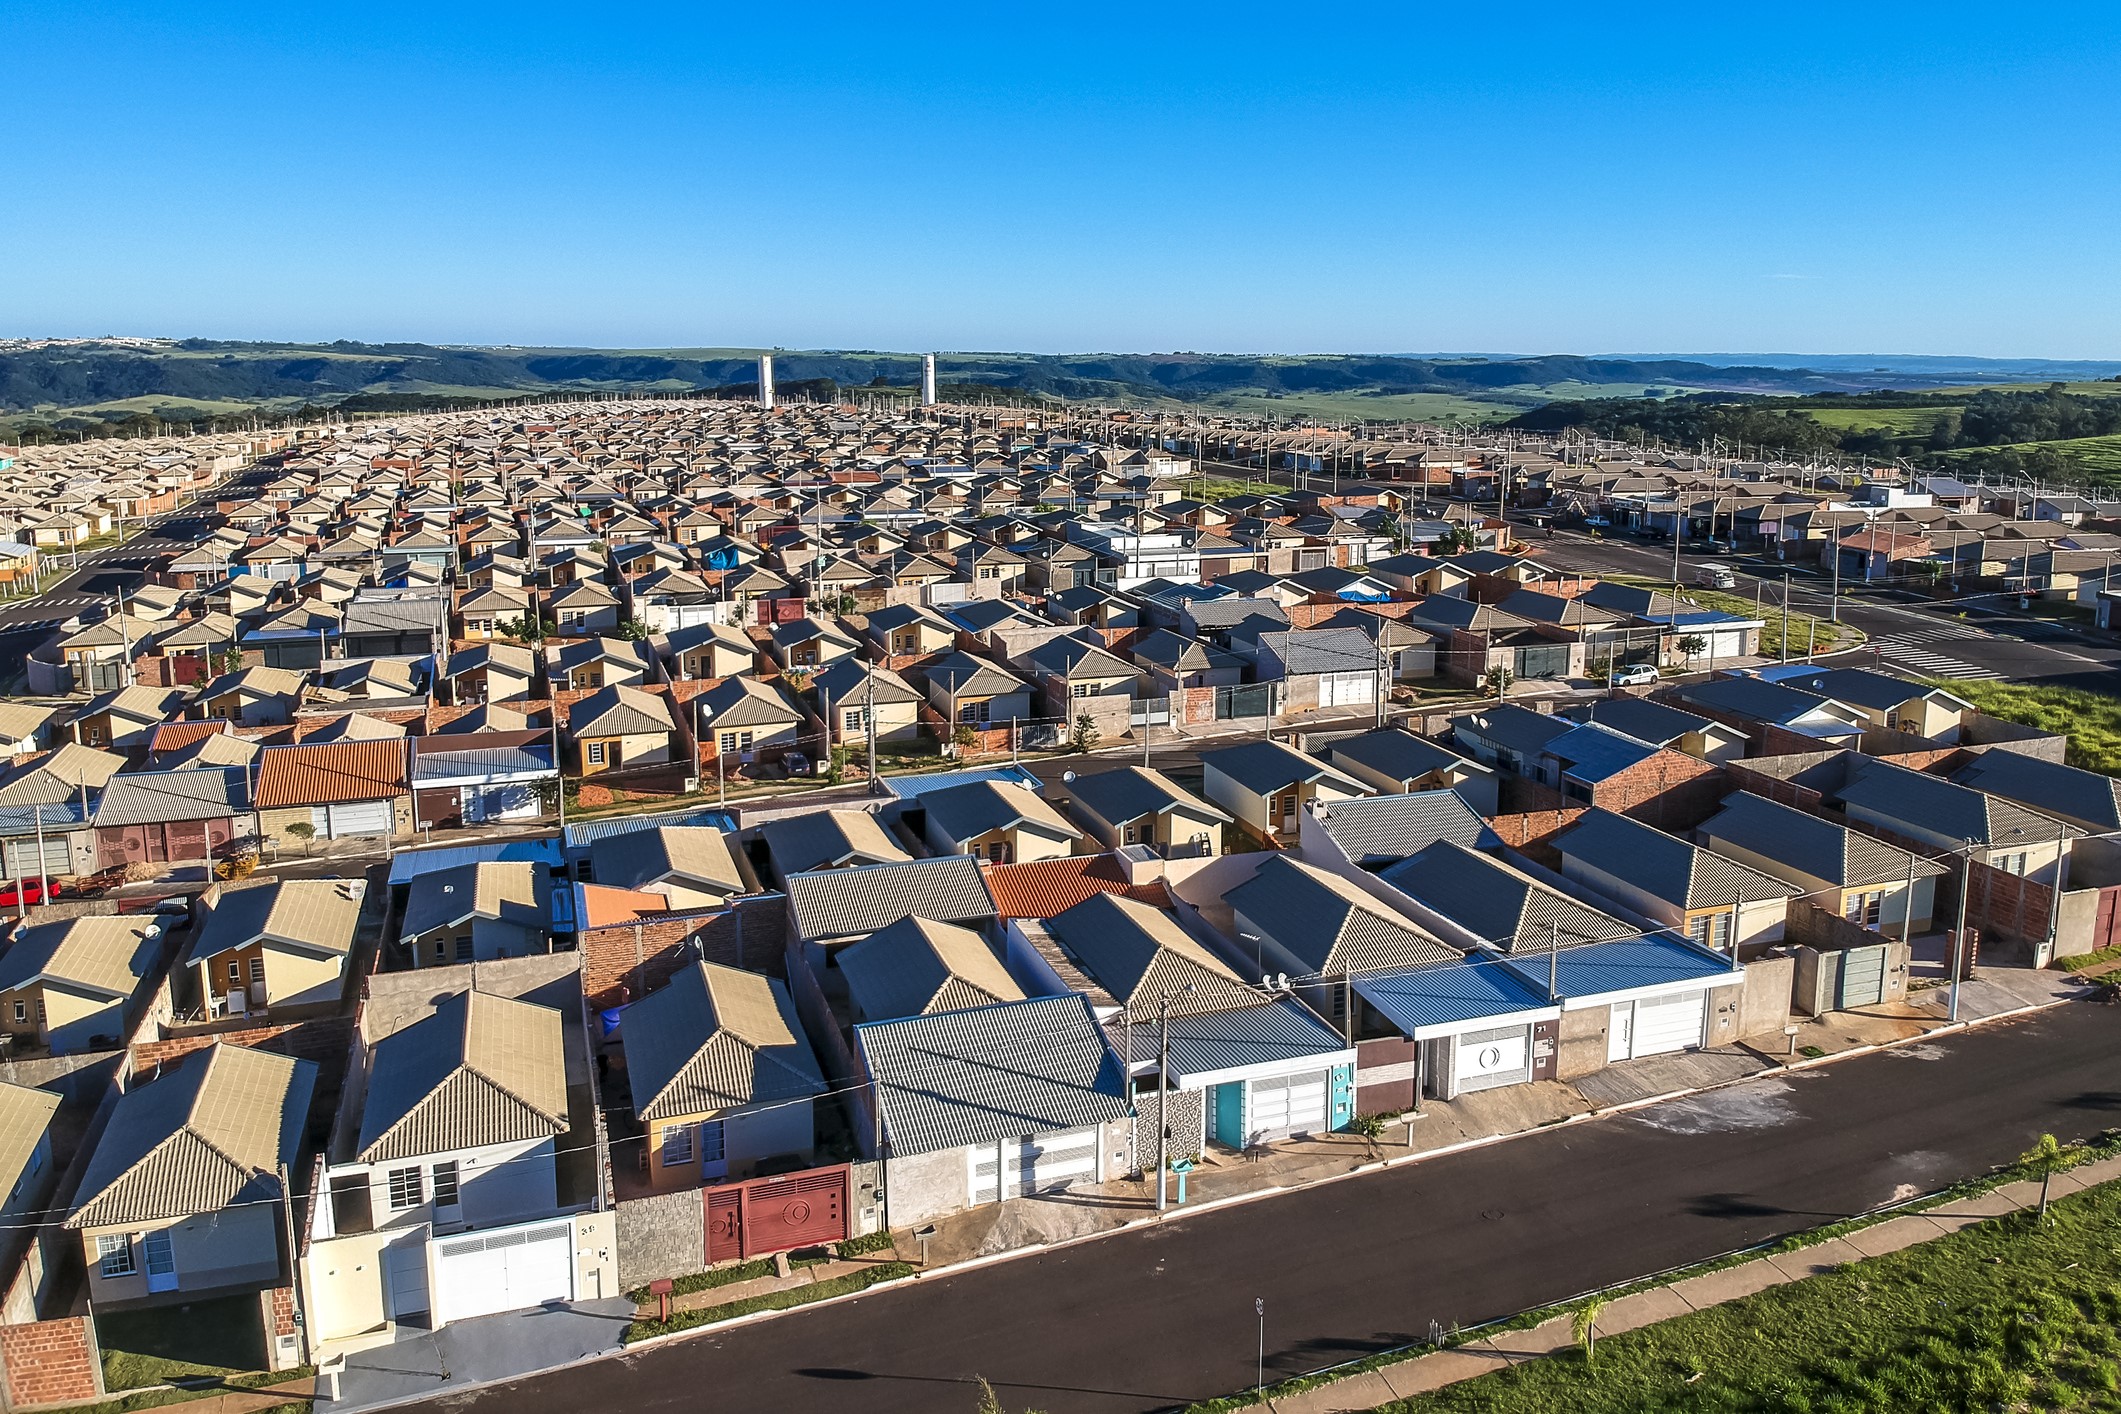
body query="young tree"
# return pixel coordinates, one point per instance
(632, 630)
(1085, 736)
(1498, 681)
(303, 831)
(1693, 645)
(1584, 1326)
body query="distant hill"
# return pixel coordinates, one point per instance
(87, 386)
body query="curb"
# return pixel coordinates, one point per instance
(1207, 1206)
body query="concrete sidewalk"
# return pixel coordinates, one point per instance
(421, 1363)
(1368, 1389)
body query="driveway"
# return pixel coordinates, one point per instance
(423, 1363)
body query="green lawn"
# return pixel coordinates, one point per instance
(1806, 631)
(197, 1339)
(1897, 420)
(2007, 1316)
(2091, 720)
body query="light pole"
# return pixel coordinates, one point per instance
(1163, 1092)
(1966, 878)
(1259, 1371)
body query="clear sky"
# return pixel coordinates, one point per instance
(1300, 178)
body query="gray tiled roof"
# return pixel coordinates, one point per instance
(968, 811)
(210, 1134)
(1663, 867)
(825, 839)
(1809, 845)
(1327, 922)
(1936, 806)
(1138, 953)
(991, 1073)
(1322, 650)
(1397, 754)
(480, 1069)
(916, 966)
(1503, 908)
(2086, 797)
(715, 1038)
(1130, 792)
(840, 903)
(212, 793)
(619, 710)
(1644, 720)
(696, 854)
(1385, 828)
(1264, 767)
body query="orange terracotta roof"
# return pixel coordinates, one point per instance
(603, 905)
(331, 773)
(174, 736)
(1050, 886)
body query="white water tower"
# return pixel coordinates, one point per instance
(766, 380)
(928, 381)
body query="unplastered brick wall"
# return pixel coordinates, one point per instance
(51, 1362)
(629, 960)
(321, 1039)
(1531, 832)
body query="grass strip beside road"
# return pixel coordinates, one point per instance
(1807, 632)
(772, 1300)
(2091, 720)
(2106, 1146)
(2011, 1314)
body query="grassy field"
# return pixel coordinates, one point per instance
(2009, 1315)
(1369, 407)
(2100, 456)
(1806, 631)
(1896, 420)
(2091, 720)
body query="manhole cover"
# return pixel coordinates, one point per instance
(1491, 1214)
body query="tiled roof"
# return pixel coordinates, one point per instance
(106, 955)
(480, 1069)
(916, 966)
(213, 1133)
(25, 1115)
(1047, 887)
(1264, 767)
(841, 903)
(315, 915)
(601, 906)
(1131, 792)
(1138, 954)
(715, 1038)
(968, 811)
(990, 1073)
(824, 839)
(1809, 845)
(1385, 828)
(335, 773)
(1662, 866)
(210, 793)
(1508, 911)
(616, 709)
(694, 853)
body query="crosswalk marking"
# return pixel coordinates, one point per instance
(1900, 647)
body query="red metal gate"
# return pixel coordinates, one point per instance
(789, 1210)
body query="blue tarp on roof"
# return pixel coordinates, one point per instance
(408, 863)
(1427, 999)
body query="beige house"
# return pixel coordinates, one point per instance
(722, 1076)
(711, 651)
(70, 986)
(997, 821)
(1139, 805)
(183, 1196)
(690, 865)
(272, 946)
(478, 912)
(1264, 784)
(620, 726)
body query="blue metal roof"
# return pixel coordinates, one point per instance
(1593, 969)
(409, 863)
(914, 787)
(23, 819)
(1442, 994)
(706, 817)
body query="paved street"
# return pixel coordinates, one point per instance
(1147, 1321)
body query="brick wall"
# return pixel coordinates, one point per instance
(1530, 832)
(1767, 787)
(283, 1310)
(323, 1039)
(640, 957)
(1671, 790)
(51, 1362)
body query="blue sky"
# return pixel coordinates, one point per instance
(1523, 178)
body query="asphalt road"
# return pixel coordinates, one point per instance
(1154, 1319)
(1930, 639)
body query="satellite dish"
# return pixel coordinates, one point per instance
(1068, 776)
(1281, 980)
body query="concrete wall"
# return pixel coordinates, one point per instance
(660, 1236)
(1764, 1000)
(343, 1286)
(1582, 1049)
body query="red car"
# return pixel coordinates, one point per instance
(30, 890)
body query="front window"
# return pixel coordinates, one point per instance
(1078, 689)
(596, 753)
(257, 969)
(235, 970)
(405, 1189)
(21, 1011)
(677, 1145)
(445, 1182)
(114, 1254)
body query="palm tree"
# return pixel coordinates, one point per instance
(2046, 1156)
(1584, 1326)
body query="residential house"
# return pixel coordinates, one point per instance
(827, 907)
(848, 691)
(689, 865)
(828, 839)
(620, 726)
(1756, 706)
(1932, 811)
(974, 692)
(491, 672)
(77, 984)
(722, 1078)
(458, 782)
(994, 1102)
(1322, 669)
(1139, 805)
(1883, 700)
(477, 912)
(337, 789)
(2088, 798)
(916, 967)
(590, 663)
(804, 645)
(1173, 662)
(710, 650)
(189, 816)
(583, 609)
(123, 719)
(1856, 876)
(996, 821)
(1397, 762)
(254, 697)
(1265, 785)
(748, 721)
(263, 948)
(1661, 724)
(185, 1194)
(909, 631)
(1721, 904)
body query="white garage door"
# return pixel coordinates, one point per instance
(1346, 689)
(405, 1269)
(1661, 1025)
(1287, 1104)
(1036, 1163)
(504, 1270)
(367, 817)
(22, 858)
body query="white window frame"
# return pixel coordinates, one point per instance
(114, 1255)
(677, 1146)
(596, 753)
(406, 1188)
(446, 1179)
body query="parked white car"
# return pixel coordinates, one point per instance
(1634, 675)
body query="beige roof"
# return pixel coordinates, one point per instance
(219, 749)
(715, 1038)
(59, 774)
(20, 720)
(682, 852)
(356, 726)
(310, 915)
(102, 955)
(211, 1134)
(480, 1070)
(916, 966)
(24, 1116)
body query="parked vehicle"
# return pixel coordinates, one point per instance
(1715, 577)
(797, 763)
(30, 891)
(1634, 675)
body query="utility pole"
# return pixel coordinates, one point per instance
(876, 786)
(1966, 884)
(1163, 1093)
(1785, 616)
